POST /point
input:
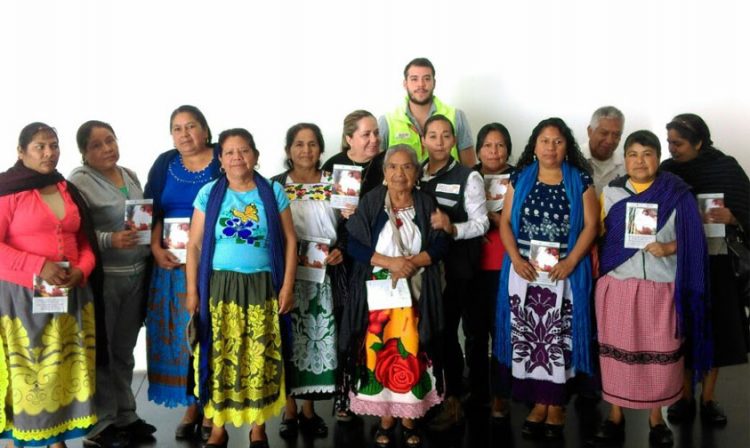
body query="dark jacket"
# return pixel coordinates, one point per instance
(364, 228)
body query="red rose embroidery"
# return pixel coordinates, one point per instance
(395, 372)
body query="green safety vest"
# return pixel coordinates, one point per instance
(402, 131)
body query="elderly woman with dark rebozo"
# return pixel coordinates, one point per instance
(393, 355)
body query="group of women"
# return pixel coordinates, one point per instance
(237, 337)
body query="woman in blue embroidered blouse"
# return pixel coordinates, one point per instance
(241, 264)
(173, 182)
(543, 326)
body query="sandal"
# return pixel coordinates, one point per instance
(287, 427)
(341, 409)
(412, 437)
(385, 435)
(313, 426)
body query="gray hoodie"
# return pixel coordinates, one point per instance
(107, 205)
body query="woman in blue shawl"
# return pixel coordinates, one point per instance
(241, 263)
(543, 327)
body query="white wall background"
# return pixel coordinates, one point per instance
(267, 65)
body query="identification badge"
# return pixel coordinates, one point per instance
(448, 188)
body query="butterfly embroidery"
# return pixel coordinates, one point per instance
(250, 213)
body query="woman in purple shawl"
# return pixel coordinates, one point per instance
(651, 306)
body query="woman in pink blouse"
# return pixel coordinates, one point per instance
(47, 323)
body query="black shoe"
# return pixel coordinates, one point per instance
(713, 414)
(683, 410)
(205, 432)
(313, 426)
(554, 432)
(660, 435)
(532, 430)
(610, 433)
(387, 433)
(449, 414)
(139, 430)
(110, 437)
(186, 431)
(287, 427)
(500, 417)
(411, 437)
(223, 444)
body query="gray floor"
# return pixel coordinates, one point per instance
(733, 393)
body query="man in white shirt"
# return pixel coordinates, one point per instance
(605, 131)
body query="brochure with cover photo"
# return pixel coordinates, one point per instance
(495, 186)
(544, 255)
(311, 256)
(347, 183)
(175, 236)
(49, 298)
(706, 202)
(640, 224)
(138, 216)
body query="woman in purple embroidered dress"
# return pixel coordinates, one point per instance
(543, 317)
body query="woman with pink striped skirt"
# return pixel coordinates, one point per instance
(651, 303)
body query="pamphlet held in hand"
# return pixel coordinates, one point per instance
(544, 255)
(706, 202)
(495, 186)
(347, 183)
(175, 236)
(381, 295)
(138, 216)
(640, 224)
(311, 258)
(49, 298)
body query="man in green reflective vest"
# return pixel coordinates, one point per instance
(404, 125)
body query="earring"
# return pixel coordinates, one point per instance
(221, 170)
(534, 157)
(385, 183)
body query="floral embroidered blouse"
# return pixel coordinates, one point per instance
(241, 229)
(311, 208)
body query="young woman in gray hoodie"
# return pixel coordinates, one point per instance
(106, 186)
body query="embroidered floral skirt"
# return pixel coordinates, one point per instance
(541, 336)
(246, 382)
(639, 353)
(312, 367)
(166, 343)
(47, 368)
(398, 379)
